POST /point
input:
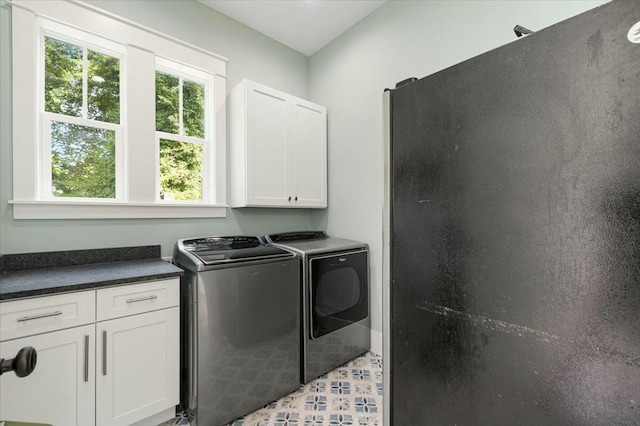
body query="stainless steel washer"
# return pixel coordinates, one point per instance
(335, 295)
(240, 326)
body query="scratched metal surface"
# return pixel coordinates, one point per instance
(516, 233)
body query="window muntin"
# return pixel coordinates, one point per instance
(81, 140)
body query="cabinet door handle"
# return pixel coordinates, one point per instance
(51, 314)
(140, 299)
(296, 198)
(86, 358)
(104, 352)
(289, 198)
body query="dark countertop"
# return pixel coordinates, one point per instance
(16, 280)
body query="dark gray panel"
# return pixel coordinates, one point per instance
(515, 232)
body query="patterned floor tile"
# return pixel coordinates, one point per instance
(350, 395)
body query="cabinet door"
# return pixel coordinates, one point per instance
(138, 369)
(268, 175)
(61, 389)
(309, 149)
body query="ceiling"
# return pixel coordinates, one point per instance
(303, 25)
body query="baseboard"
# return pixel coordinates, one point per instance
(376, 342)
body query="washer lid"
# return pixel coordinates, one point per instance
(216, 250)
(286, 237)
(308, 243)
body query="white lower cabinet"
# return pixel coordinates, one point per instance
(120, 371)
(61, 390)
(138, 367)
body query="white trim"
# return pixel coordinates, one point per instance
(78, 14)
(36, 6)
(218, 153)
(83, 38)
(111, 210)
(25, 119)
(85, 82)
(140, 167)
(80, 121)
(376, 342)
(167, 66)
(181, 138)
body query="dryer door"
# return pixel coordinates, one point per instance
(339, 291)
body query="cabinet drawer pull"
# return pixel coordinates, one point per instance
(104, 352)
(140, 299)
(86, 358)
(51, 314)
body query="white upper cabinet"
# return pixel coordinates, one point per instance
(278, 149)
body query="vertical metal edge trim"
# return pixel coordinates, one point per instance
(386, 260)
(305, 330)
(86, 358)
(193, 343)
(104, 352)
(310, 300)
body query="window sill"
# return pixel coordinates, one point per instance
(112, 210)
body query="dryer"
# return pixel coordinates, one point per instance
(335, 298)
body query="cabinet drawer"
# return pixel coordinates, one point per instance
(116, 302)
(22, 318)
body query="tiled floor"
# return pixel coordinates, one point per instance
(350, 395)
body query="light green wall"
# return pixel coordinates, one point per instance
(251, 55)
(401, 39)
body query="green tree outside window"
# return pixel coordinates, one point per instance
(180, 108)
(82, 157)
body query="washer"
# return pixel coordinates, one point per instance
(335, 298)
(240, 326)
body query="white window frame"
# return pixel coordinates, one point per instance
(97, 44)
(139, 193)
(208, 155)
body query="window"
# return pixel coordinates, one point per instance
(81, 137)
(114, 120)
(182, 133)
